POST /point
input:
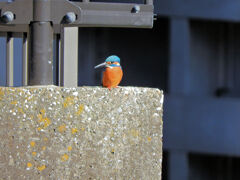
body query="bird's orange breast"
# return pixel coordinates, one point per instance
(112, 77)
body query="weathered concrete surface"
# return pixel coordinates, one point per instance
(80, 133)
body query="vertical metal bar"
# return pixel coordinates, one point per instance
(41, 64)
(69, 56)
(58, 58)
(9, 57)
(150, 2)
(25, 60)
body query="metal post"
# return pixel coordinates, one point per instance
(86, 1)
(69, 57)
(41, 35)
(9, 80)
(25, 60)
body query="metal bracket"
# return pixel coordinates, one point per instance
(86, 14)
(24, 14)
(60, 10)
(21, 9)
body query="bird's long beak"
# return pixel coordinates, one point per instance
(103, 64)
(100, 65)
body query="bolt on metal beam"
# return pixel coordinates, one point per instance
(7, 17)
(70, 17)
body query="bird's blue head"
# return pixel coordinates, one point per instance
(110, 62)
(113, 58)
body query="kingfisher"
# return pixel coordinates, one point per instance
(112, 75)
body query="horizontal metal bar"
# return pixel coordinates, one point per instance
(115, 15)
(13, 34)
(14, 28)
(88, 14)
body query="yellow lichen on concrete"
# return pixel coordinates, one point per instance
(32, 143)
(1, 94)
(68, 101)
(20, 110)
(80, 133)
(69, 148)
(14, 102)
(47, 122)
(44, 121)
(43, 111)
(74, 130)
(41, 168)
(80, 109)
(62, 128)
(149, 139)
(29, 165)
(134, 133)
(65, 157)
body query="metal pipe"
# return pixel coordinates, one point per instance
(85, 1)
(41, 63)
(41, 45)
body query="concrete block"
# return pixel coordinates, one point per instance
(50, 132)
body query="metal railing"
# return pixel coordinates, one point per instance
(44, 24)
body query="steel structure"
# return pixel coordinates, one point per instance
(38, 22)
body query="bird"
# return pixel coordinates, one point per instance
(112, 75)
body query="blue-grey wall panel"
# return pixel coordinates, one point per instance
(17, 62)
(207, 9)
(207, 125)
